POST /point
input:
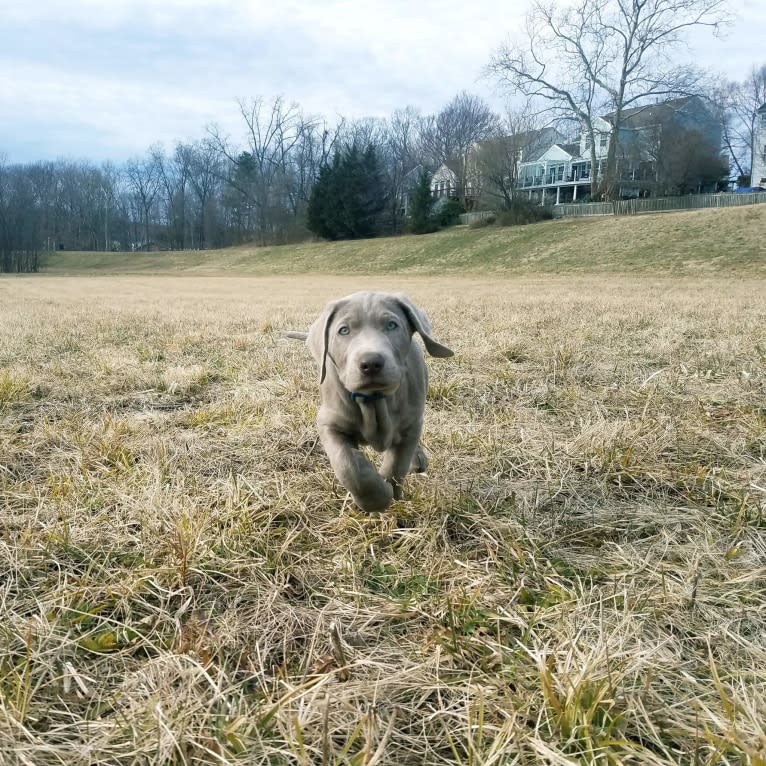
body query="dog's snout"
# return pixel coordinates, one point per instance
(371, 364)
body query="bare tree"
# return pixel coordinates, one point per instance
(522, 136)
(315, 146)
(205, 173)
(605, 54)
(173, 172)
(737, 104)
(20, 222)
(109, 190)
(262, 172)
(143, 180)
(363, 132)
(449, 136)
(403, 160)
(46, 188)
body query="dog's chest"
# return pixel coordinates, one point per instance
(379, 423)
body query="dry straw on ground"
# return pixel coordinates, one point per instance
(579, 578)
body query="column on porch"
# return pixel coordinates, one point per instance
(558, 194)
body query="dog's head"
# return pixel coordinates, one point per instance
(367, 337)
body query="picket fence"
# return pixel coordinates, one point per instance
(638, 206)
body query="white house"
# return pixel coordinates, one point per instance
(651, 139)
(445, 182)
(467, 177)
(662, 146)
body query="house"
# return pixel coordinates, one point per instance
(668, 147)
(562, 172)
(447, 181)
(490, 169)
(758, 167)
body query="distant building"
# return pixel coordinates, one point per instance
(758, 167)
(663, 148)
(669, 147)
(489, 166)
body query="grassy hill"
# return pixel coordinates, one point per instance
(694, 242)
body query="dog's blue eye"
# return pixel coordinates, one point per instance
(391, 324)
(344, 330)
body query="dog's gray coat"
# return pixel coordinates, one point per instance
(373, 383)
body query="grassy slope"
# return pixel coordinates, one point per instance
(694, 242)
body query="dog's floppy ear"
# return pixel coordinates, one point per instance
(319, 336)
(421, 325)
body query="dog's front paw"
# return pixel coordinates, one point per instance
(376, 499)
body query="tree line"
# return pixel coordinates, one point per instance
(215, 192)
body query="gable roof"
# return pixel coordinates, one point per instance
(444, 173)
(651, 114)
(559, 152)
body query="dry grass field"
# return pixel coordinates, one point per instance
(579, 579)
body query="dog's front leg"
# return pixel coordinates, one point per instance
(398, 459)
(371, 492)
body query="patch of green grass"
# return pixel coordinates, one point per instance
(12, 388)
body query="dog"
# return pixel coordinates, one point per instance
(373, 382)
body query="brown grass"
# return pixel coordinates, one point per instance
(579, 578)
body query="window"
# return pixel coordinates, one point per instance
(602, 140)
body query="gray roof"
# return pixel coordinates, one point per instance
(573, 148)
(650, 113)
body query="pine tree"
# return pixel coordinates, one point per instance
(347, 200)
(321, 215)
(421, 206)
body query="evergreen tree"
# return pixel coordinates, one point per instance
(421, 206)
(348, 198)
(322, 214)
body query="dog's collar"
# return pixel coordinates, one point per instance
(359, 396)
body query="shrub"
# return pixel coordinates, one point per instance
(448, 213)
(482, 222)
(523, 211)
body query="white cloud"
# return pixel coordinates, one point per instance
(84, 76)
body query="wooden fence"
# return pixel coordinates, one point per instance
(688, 202)
(638, 206)
(477, 215)
(577, 210)
(655, 205)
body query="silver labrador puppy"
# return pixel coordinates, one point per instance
(373, 383)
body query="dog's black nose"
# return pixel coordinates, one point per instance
(371, 364)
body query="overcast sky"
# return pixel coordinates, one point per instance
(105, 79)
